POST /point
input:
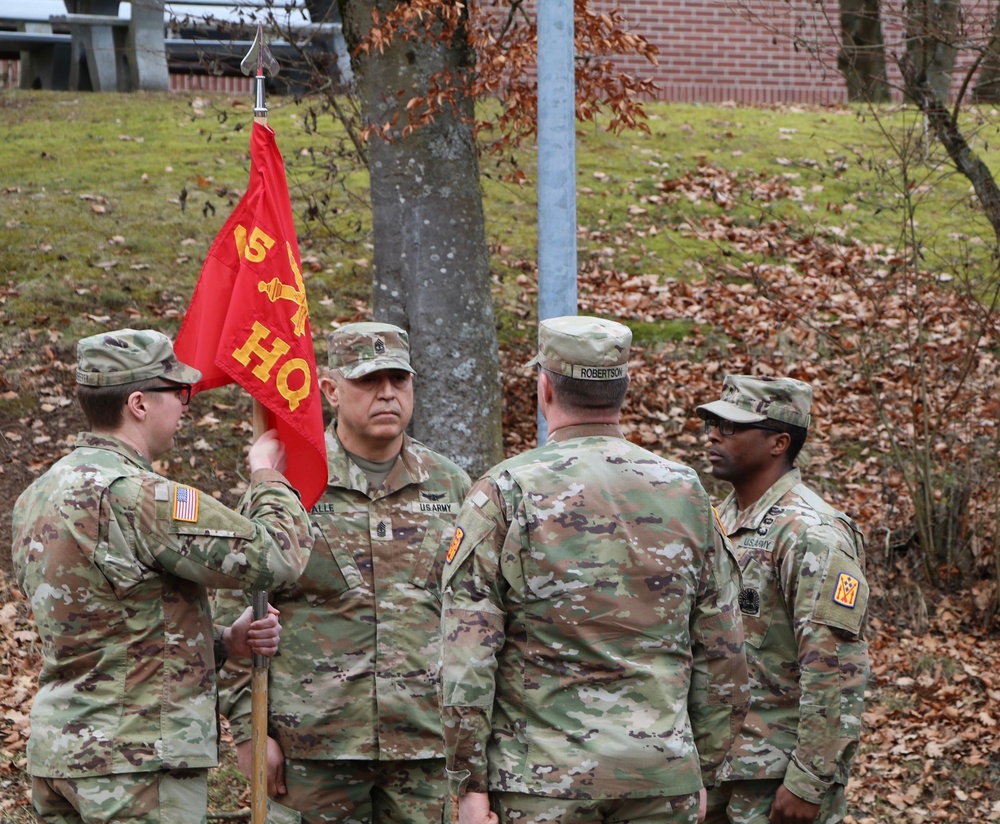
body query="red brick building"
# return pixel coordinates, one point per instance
(712, 51)
(769, 51)
(745, 51)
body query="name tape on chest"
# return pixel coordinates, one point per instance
(846, 591)
(326, 508)
(765, 544)
(185, 504)
(437, 507)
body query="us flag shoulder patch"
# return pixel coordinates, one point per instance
(185, 504)
(846, 592)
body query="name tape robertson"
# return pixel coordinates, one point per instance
(599, 373)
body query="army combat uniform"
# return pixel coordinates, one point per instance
(353, 691)
(115, 560)
(591, 643)
(803, 600)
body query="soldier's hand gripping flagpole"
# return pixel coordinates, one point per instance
(259, 58)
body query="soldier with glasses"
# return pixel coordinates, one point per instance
(115, 560)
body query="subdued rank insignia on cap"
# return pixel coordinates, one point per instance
(846, 591)
(185, 504)
(749, 602)
(456, 542)
(379, 346)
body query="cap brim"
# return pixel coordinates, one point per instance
(377, 365)
(728, 412)
(533, 362)
(184, 374)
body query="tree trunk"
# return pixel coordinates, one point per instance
(862, 52)
(431, 264)
(930, 43)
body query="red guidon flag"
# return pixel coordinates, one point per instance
(248, 320)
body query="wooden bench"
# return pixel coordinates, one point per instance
(108, 45)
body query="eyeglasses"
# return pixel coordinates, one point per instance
(727, 428)
(183, 391)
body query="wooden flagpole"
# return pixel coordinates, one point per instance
(259, 58)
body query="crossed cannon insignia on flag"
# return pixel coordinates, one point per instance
(276, 290)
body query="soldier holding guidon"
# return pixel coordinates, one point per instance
(115, 560)
(803, 601)
(593, 653)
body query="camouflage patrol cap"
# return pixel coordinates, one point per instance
(746, 399)
(583, 347)
(127, 356)
(358, 349)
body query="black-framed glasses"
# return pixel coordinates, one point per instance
(183, 391)
(727, 428)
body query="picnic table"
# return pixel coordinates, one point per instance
(110, 45)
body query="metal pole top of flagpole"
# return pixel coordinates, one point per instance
(260, 58)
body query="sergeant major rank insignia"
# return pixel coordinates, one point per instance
(456, 542)
(846, 591)
(185, 504)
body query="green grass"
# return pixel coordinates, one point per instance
(93, 217)
(109, 204)
(95, 232)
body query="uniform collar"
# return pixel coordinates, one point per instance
(752, 517)
(585, 430)
(91, 440)
(345, 474)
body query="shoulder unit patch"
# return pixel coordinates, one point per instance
(846, 591)
(456, 542)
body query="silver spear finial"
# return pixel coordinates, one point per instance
(260, 58)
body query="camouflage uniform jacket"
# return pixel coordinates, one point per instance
(591, 640)
(115, 560)
(357, 675)
(803, 601)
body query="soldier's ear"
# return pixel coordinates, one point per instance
(544, 387)
(137, 405)
(780, 444)
(328, 386)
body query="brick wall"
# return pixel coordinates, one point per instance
(723, 50)
(744, 50)
(710, 52)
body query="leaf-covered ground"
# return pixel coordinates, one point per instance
(931, 747)
(777, 300)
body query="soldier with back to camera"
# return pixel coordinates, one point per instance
(593, 653)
